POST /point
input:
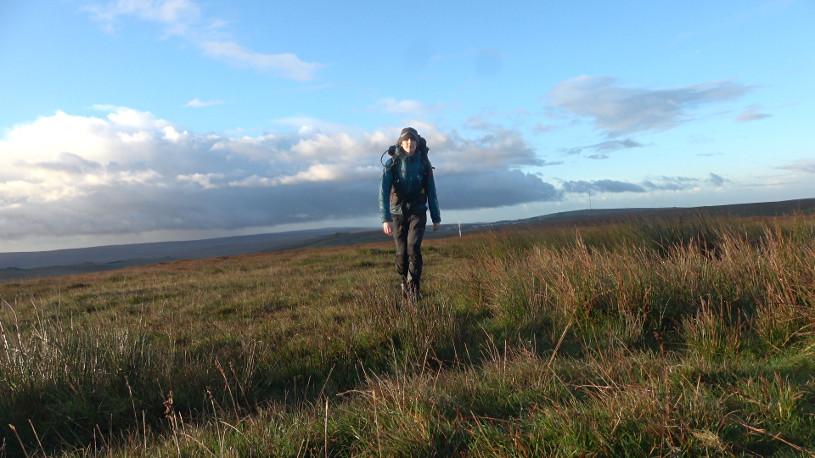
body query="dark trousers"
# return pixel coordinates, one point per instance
(408, 232)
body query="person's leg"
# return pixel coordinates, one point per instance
(415, 236)
(400, 237)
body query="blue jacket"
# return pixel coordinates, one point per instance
(409, 174)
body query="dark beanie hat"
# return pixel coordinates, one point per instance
(408, 132)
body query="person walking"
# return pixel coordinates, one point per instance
(407, 191)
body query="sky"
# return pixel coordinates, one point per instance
(153, 120)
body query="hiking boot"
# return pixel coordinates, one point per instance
(405, 288)
(414, 290)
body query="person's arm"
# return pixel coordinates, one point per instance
(385, 182)
(433, 202)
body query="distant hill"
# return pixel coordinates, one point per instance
(22, 265)
(787, 207)
(17, 266)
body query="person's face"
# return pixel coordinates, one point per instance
(409, 145)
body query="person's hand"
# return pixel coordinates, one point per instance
(387, 228)
(436, 226)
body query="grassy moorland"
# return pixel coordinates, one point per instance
(634, 336)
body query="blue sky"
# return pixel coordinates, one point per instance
(134, 121)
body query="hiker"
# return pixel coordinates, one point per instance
(407, 190)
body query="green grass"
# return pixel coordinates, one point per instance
(632, 337)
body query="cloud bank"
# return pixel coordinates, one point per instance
(129, 172)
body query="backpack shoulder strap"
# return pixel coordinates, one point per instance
(394, 158)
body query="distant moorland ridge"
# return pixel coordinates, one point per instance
(22, 265)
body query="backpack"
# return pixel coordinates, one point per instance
(421, 198)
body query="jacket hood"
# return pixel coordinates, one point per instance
(421, 148)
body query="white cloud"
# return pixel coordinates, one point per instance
(197, 103)
(172, 135)
(168, 11)
(496, 147)
(287, 64)
(306, 126)
(317, 172)
(204, 180)
(254, 181)
(184, 19)
(619, 110)
(45, 138)
(327, 147)
(92, 138)
(411, 107)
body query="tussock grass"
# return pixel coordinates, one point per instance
(689, 336)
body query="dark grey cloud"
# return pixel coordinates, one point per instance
(603, 147)
(613, 145)
(716, 180)
(752, 113)
(494, 189)
(802, 165)
(136, 208)
(619, 110)
(610, 186)
(69, 163)
(671, 183)
(664, 183)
